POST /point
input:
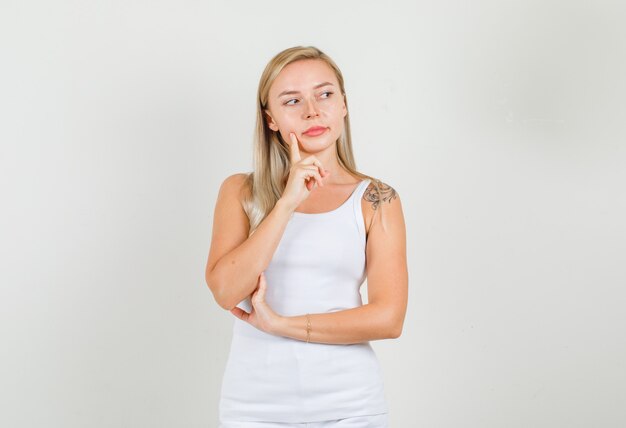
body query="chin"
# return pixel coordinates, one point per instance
(320, 143)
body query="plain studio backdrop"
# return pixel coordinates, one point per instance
(500, 124)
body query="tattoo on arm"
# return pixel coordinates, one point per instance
(387, 193)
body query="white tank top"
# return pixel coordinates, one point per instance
(318, 267)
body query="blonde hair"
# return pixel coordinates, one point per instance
(271, 154)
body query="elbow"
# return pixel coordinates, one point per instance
(390, 322)
(221, 300)
(218, 293)
(395, 328)
(395, 331)
(223, 303)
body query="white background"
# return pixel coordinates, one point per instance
(500, 124)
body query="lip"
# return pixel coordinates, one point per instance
(315, 130)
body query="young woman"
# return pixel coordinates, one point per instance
(292, 243)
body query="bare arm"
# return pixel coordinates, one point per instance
(387, 285)
(236, 260)
(360, 324)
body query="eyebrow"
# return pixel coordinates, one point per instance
(297, 92)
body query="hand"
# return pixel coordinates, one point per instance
(304, 174)
(261, 316)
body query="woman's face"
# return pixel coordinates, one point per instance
(306, 94)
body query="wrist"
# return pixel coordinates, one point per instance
(279, 326)
(285, 206)
(294, 327)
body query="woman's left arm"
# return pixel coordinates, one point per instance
(387, 285)
(387, 288)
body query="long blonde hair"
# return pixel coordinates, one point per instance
(271, 154)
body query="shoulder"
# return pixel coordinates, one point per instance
(236, 185)
(379, 193)
(380, 204)
(235, 180)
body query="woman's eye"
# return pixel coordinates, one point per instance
(288, 102)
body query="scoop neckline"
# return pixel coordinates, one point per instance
(296, 213)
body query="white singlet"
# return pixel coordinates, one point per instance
(318, 267)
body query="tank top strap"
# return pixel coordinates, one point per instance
(357, 209)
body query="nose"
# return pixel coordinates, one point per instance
(311, 109)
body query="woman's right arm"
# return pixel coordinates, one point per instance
(236, 260)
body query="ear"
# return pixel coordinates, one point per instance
(270, 120)
(344, 108)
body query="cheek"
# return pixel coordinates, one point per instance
(283, 121)
(288, 123)
(336, 112)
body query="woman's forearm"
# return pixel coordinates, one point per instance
(236, 274)
(355, 325)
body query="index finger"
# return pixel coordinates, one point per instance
(293, 148)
